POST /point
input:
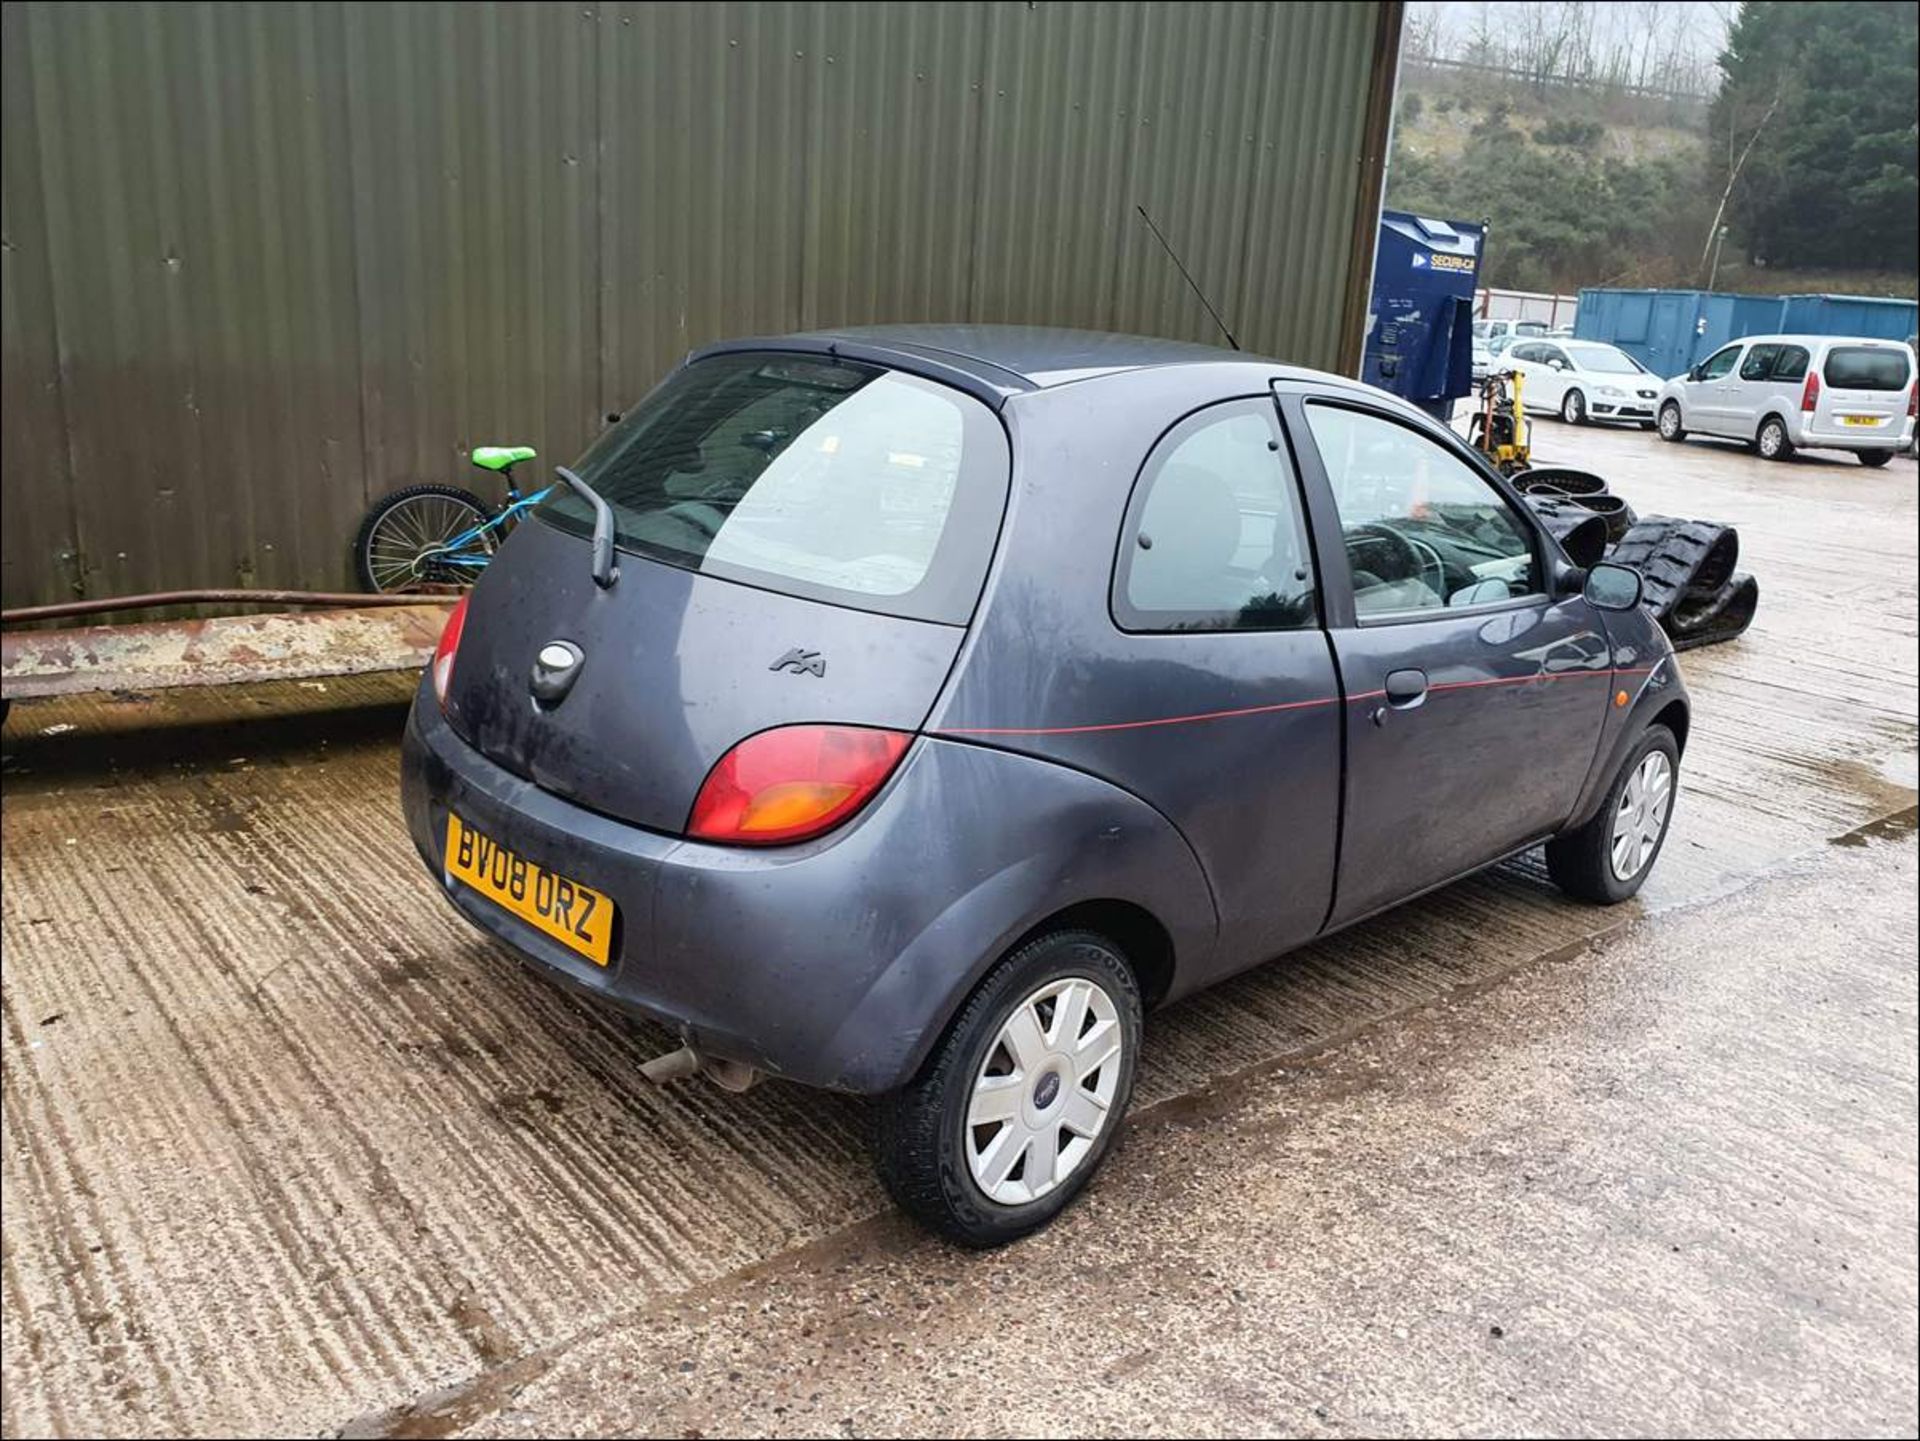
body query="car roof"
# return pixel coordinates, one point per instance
(1813, 340)
(997, 362)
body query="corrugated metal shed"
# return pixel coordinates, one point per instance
(265, 262)
(1668, 330)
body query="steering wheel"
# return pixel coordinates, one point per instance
(1430, 559)
(1416, 558)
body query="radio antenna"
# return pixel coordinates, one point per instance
(1186, 277)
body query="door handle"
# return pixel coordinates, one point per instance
(1406, 688)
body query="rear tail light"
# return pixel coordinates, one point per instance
(1913, 401)
(1810, 393)
(444, 652)
(793, 783)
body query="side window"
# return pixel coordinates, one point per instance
(1523, 351)
(1759, 362)
(1423, 530)
(1720, 363)
(1792, 364)
(1213, 538)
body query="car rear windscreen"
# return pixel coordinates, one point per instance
(1856, 367)
(811, 476)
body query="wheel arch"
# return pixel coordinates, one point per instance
(1675, 716)
(1144, 942)
(1102, 859)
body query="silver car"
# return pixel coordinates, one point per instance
(1782, 392)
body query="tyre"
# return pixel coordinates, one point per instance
(1607, 859)
(1573, 408)
(1875, 458)
(1021, 1098)
(1772, 441)
(1669, 422)
(402, 541)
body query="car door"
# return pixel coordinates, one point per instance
(1706, 395)
(1749, 390)
(1556, 376)
(1475, 697)
(1525, 357)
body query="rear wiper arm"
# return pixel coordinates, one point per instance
(605, 572)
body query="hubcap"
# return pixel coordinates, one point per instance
(1045, 1091)
(1573, 405)
(1770, 440)
(1669, 421)
(1642, 815)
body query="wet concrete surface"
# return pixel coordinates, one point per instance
(1662, 1186)
(288, 1148)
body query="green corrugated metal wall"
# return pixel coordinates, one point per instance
(264, 262)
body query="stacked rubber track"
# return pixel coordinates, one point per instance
(1687, 566)
(1692, 586)
(1578, 488)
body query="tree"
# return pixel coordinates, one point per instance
(1834, 178)
(1563, 212)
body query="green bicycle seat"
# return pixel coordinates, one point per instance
(499, 457)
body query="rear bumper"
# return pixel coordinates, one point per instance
(835, 963)
(1896, 436)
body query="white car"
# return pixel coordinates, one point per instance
(1780, 392)
(1487, 353)
(1584, 380)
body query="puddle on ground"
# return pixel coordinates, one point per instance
(1887, 828)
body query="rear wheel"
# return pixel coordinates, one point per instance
(405, 543)
(1019, 1102)
(1875, 458)
(1772, 441)
(1670, 426)
(1607, 859)
(1573, 408)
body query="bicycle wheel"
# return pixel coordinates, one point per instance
(406, 541)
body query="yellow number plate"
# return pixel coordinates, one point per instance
(1859, 420)
(574, 915)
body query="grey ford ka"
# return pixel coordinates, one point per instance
(906, 710)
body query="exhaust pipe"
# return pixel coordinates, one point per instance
(735, 1076)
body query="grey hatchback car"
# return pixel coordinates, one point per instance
(906, 710)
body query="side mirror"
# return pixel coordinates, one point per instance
(1693, 372)
(1613, 587)
(1557, 364)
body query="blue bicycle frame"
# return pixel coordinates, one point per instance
(455, 551)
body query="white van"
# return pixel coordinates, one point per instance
(1781, 392)
(1492, 329)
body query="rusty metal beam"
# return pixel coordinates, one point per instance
(100, 605)
(225, 650)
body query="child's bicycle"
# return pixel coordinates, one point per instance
(431, 537)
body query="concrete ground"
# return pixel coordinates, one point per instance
(286, 1148)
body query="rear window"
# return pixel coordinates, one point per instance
(1855, 367)
(815, 477)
